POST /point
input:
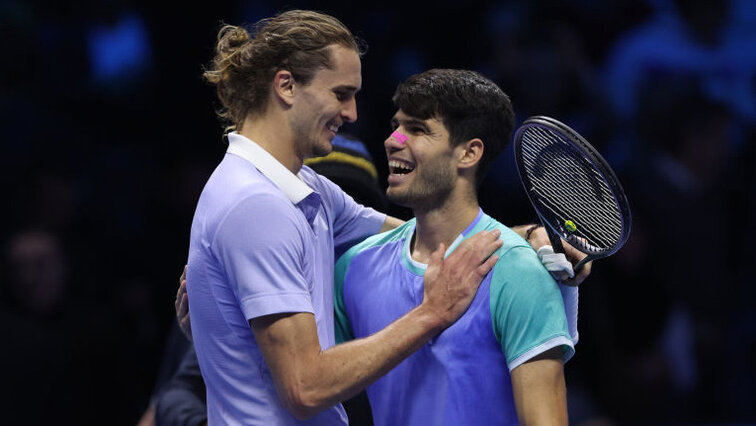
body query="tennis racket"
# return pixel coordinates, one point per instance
(575, 193)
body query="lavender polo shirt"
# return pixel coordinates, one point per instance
(262, 242)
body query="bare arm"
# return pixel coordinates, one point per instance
(539, 390)
(391, 223)
(309, 380)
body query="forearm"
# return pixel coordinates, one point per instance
(449, 287)
(311, 380)
(550, 409)
(391, 223)
(521, 230)
(539, 390)
(308, 380)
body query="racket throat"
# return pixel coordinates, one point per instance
(556, 241)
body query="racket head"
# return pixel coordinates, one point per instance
(573, 189)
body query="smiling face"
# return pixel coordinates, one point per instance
(422, 169)
(325, 103)
(469, 105)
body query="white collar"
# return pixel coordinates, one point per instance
(289, 183)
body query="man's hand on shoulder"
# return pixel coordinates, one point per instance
(451, 283)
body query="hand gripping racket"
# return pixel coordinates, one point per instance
(572, 188)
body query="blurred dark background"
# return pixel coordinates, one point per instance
(107, 134)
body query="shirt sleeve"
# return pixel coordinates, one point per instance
(526, 308)
(352, 222)
(262, 256)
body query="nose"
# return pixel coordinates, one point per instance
(395, 141)
(349, 112)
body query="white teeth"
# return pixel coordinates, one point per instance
(400, 167)
(334, 128)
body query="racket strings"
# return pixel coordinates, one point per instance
(571, 190)
(561, 178)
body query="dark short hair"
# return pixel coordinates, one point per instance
(470, 106)
(244, 63)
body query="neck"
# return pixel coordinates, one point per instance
(273, 134)
(443, 224)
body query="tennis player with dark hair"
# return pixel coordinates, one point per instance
(181, 401)
(261, 255)
(503, 359)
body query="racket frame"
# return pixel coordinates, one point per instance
(590, 154)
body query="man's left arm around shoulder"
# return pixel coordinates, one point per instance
(391, 223)
(536, 236)
(539, 390)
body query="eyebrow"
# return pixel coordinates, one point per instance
(352, 89)
(410, 122)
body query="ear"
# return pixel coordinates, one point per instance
(283, 86)
(470, 153)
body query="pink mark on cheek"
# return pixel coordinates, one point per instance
(400, 137)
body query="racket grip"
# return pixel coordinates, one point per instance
(556, 242)
(580, 264)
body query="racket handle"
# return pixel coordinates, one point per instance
(580, 264)
(556, 242)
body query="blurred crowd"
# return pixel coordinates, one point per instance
(107, 134)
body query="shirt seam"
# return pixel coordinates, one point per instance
(554, 338)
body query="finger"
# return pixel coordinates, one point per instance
(179, 307)
(486, 267)
(437, 257)
(497, 242)
(183, 275)
(179, 295)
(481, 238)
(185, 325)
(584, 273)
(181, 290)
(484, 243)
(572, 253)
(183, 308)
(182, 294)
(493, 235)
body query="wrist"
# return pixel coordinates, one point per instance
(429, 319)
(529, 231)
